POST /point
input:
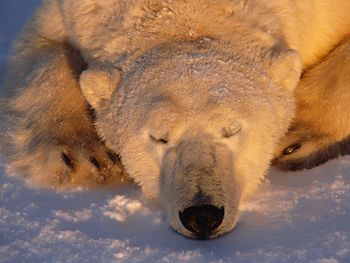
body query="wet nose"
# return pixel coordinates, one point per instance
(202, 220)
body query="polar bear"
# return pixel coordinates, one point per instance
(190, 99)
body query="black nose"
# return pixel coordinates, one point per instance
(202, 220)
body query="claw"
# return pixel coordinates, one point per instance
(112, 156)
(94, 161)
(68, 161)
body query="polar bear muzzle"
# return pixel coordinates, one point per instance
(198, 187)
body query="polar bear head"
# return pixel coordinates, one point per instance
(195, 126)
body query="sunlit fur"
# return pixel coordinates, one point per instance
(161, 99)
(180, 72)
(321, 125)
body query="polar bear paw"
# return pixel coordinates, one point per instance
(64, 166)
(302, 149)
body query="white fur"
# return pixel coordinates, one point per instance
(185, 70)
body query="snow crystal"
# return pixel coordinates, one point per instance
(120, 207)
(74, 216)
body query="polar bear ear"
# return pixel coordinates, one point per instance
(98, 84)
(286, 68)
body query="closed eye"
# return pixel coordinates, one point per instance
(160, 140)
(231, 130)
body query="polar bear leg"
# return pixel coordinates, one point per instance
(321, 129)
(50, 136)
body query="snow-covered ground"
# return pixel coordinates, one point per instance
(295, 217)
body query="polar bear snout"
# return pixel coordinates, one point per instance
(198, 187)
(202, 220)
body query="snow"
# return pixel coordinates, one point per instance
(294, 217)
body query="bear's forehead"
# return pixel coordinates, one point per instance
(166, 84)
(206, 70)
(172, 92)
